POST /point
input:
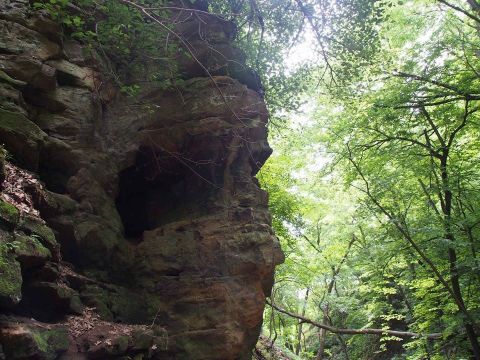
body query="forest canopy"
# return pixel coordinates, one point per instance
(374, 187)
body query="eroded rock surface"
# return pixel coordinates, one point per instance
(144, 208)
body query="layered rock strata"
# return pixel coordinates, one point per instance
(141, 209)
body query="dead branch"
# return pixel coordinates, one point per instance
(366, 331)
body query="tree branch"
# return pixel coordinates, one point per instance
(459, 9)
(433, 126)
(434, 82)
(366, 331)
(466, 114)
(320, 38)
(388, 138)
(404, 231)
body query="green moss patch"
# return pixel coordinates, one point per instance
(10, 278)
(30, 251)
(16, 122)
(9, 213)
(51, 342)
(37, 229)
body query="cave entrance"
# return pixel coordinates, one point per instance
(159, 189)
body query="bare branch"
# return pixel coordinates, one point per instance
(366, 331)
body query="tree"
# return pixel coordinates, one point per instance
(414, 128)
(403, 131)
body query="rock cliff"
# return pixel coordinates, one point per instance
(130, 226)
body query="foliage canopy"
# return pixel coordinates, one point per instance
(389, 225)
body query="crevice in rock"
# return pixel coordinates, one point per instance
(157, 189)
(54, 179)
(66, 79)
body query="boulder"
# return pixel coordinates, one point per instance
(53, 204)
(72, 74)
(21, 137)
(14, 10)
(30, 71)
(4, 77)
(11, 98)
(151, 197)
(18, 39)
(49, 301)
(79, 54)
(29, 341)
(77, 102)
(38, 230)
(42, 22)
(30, 252)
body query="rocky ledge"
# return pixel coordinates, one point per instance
(130, 226)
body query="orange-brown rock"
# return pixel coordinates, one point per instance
(152, 198)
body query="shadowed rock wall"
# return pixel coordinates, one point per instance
(144, 208)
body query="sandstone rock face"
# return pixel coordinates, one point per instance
(146, 208)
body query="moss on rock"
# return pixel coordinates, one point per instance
(22, 341)
(33, 226)
(8, 213)
(30, 251)
(10, 278)
(51, 342)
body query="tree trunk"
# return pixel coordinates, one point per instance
(335, 271)
(322, 335)
(452, 255)
(323, 332)
(298, 347)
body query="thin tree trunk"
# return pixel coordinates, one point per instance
(331, 285)
(344, 346)
(322, 335)
(323, 332)
(298, 347)
(452, 255)
(445, 196)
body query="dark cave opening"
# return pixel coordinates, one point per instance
(131, 202)
(144, 189)
(159, 189)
